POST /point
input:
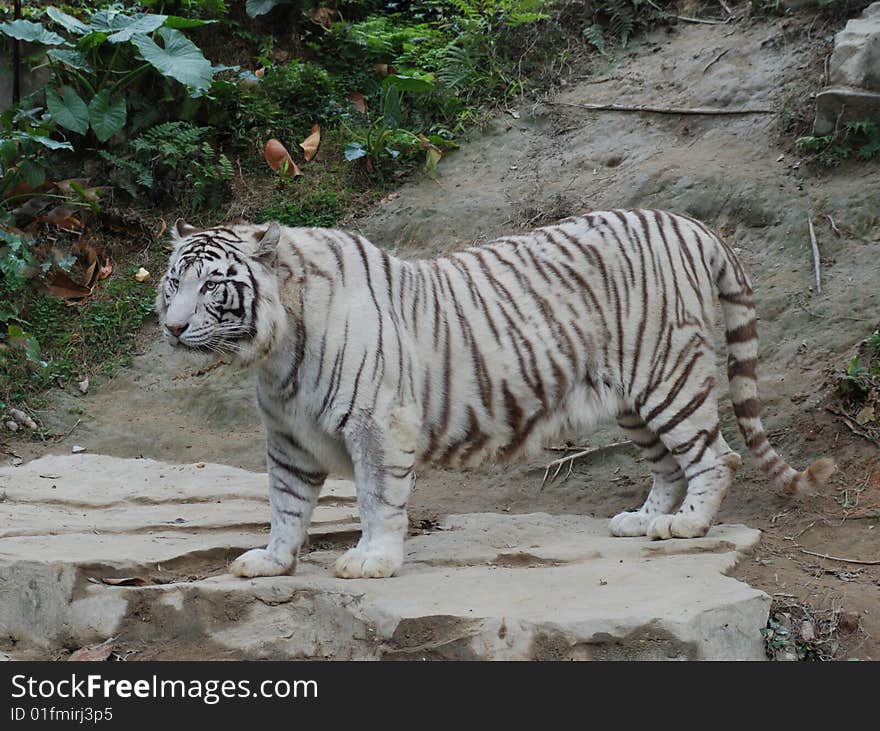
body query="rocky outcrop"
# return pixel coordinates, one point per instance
(853, 91)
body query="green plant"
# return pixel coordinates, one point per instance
(174, 161)
(285, 103)
(103, 64)
(200, 8)
(862, 373)
(320, 209)
(386, 137)
(25, 140)
(860, 139)
(620, 19)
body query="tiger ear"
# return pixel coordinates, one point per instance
(181, 229)
(267, 243)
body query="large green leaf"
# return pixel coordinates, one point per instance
(175, 21)
(27, 30)
(68, 110)
(410, 83)
(181, 59)
(109, 20)
(139, 25)
(32, 172)
(255, 8)
(46, 142)
(91, 40)
(68, 22)
(107, 114)
(73, 59)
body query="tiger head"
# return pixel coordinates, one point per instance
(220, 293)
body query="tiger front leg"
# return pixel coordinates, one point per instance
(383, 458)
(295, 483)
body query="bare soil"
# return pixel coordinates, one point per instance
(739, 173)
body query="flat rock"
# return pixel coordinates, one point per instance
(853, 92)
(479, 586)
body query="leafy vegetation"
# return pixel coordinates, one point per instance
(163, 107)
(854, 139)
(173, 161)
(110, 61)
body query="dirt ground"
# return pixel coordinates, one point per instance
(739, 173)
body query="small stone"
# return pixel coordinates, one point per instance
(76, 449)
(808, 634)
(142, 275)
(11, 425)
(83, 386)
(200, 465)
(848, 622)
(22, 418)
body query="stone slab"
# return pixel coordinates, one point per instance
(480, 586)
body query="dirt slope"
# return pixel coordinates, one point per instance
(735, 172)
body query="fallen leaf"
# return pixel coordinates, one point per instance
(160, 232)
(432, 157)
(358, 100)
(310, 144)
(127, 581)
(279, 159)
(323, 16)
(142, 275)
(865, 416)
(93, 653)
(260, 72)
(66, 187)
(62, 286)
(62, 217)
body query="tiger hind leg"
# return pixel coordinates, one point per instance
(683, 413)
(669, 481)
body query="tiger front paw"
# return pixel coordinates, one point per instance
(368, 562)
(630, 524)
(677, 526)
(260, 562)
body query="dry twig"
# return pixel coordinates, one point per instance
(833, 225)
(710, 111)
(701, 21)
(569, 460)
(815, 247)
(843, 560)
(715, 60)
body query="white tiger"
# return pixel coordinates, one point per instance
(374, 366)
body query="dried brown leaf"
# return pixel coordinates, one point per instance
(62, 217)
(358, 100)
(323, 16)
(93, 653)
(127, 581)
(311, 143)
(59, 284)
(279, 159)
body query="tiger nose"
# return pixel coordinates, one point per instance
(177, 330)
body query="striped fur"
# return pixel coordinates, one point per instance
(374, 366)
